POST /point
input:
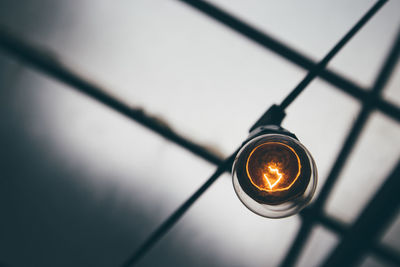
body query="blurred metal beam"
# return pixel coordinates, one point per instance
(288, 53)
(298, 244)
(314, 72)
(386, 254)
(332, 224)
(389, 109)
(43, 61)
(369, 225)
(47, 62)
(167, 224)
(380, 82)
(381, 251)
(316, 209)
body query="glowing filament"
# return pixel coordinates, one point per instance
(273, 167)
(273, 170)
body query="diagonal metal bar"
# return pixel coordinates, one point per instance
(49, 64)
(389, 109)
(386, 107)
(174, 217)
(387, 254)
(332, 224)
(370, 224)
(288, 53)
(384, 75)
(269, 115)
(324, 62)
(298, 244)
(349, 143)
(382, 251)
(379, 250)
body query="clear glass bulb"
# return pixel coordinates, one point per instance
(274, 175)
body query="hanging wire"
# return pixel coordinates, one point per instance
(49, 64)
(350, 141)
(288, 53)
(322, 64)
(171, 220)
(46, 61)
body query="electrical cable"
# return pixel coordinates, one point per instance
(322, 64)
(172, 219)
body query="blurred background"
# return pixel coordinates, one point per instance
(81, 185)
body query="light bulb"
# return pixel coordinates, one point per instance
(274, 175)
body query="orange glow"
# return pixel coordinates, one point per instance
(277, 180)
(273, 166)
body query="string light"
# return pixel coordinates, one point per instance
(274, 175)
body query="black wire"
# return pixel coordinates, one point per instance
(54, 68)
(368, 106)
(322, 64)
(46, 62)
(172, 219)
(288, 53)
